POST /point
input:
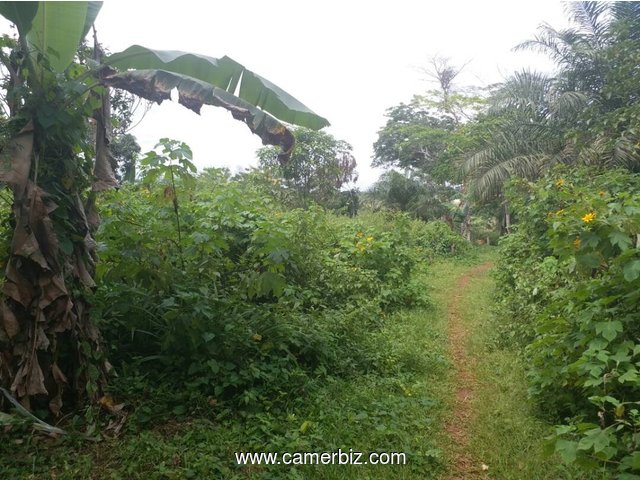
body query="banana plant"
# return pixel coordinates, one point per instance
(55, 157)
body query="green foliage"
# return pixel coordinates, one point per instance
(253, 300)
(437, 240)
(585, 114)
(58, 158)
(319, 167)
(572, 273)
(428, 138)
(413, 137)
(425, 136)
(398, 407)
(424, 199)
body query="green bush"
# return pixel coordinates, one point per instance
(242, 300)
(569, 287)
(437, 239)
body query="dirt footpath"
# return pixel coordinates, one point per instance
(458, 426)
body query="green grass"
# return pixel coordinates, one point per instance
(398, 410)
(401, 410)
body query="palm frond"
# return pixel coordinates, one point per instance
(568, 103)
(551, 42)
(492, 176)
(626, 153)
(592, 19)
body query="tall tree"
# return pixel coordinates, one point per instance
(524, 132)
(319, 167)
(414, 138)
(58, 159)
(427, 138)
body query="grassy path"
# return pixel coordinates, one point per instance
(458, 427)
(491, 430)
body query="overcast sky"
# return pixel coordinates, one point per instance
(348, 61)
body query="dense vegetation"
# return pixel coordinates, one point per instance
(280, 309)
(568, 274)
(568, 286)
(240, 330)
(250, 300)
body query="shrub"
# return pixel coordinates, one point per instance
(249, 300)
(572, 274)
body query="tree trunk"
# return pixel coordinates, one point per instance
(51, 350)
(465, 228)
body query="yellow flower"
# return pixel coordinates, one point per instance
(560, 212)
(589, 217)
(359, 234)
(559, 182)
(577, 242)
(602, 193)
(369, 239)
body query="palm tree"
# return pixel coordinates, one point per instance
(526, 123)
(56, 160)
(585, 114)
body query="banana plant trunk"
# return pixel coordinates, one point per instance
(50, 352)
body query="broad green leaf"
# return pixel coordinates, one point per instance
(631, 270)
(21, 14)
(272, 282)
(609, 330)
(620, 356)
(213, 365)
(597, 439)
(621, 239)
(224, 73)
(593, 382)
(630, 375)
(208, 336)
(567, 450)
(632, 461)
(93, 8)
(56, 31)
(156, 85)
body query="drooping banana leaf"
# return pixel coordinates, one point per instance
(93, 8)
(156, 85)
(53, 29)
(225, 73)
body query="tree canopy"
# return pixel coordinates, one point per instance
(585, 114)
(319, 167)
